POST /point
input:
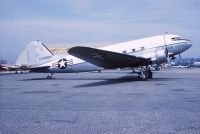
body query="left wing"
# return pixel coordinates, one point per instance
(106, 59)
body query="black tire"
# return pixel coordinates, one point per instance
(142, 79)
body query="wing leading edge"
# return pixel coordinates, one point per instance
(106, 59)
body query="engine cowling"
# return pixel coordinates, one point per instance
(161, 55)
(157, 55)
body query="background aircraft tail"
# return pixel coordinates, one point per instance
(38, 54)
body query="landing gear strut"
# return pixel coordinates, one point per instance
(145, 73)
(50, 76)
(150, 74)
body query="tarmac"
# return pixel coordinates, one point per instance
(111, 102)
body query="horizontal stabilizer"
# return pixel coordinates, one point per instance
(40, 69)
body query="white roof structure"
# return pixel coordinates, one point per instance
(58, 50)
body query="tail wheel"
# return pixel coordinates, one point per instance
(50, 76)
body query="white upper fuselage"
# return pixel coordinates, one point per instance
(174, 44)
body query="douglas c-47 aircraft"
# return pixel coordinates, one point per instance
(137, 54)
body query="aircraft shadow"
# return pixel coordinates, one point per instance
(132, 78)
(102, 81)
(123, 79)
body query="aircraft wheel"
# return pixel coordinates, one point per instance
(50, 76)
(143, 77)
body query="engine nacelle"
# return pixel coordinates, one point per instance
(157, 55)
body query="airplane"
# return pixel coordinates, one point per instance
(196, 64)
(137, 54)
(15, 67)
(181, 66)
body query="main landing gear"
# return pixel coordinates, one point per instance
(145, 73)
(50, 76)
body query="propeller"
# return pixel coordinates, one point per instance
(168, 57)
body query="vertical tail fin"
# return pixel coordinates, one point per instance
(38, 53)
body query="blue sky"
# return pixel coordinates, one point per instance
(94, 22)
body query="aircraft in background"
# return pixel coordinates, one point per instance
(196, 64)
(181, 66)
(16, 68)
(136, 54)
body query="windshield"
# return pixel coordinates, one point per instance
(176, 38)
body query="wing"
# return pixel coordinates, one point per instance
(106, 59)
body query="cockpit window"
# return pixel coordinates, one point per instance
(176, 38)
